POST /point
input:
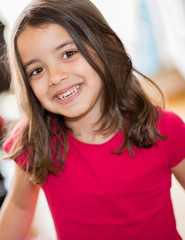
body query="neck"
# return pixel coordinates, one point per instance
(85, 129)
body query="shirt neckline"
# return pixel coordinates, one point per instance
(113, 139)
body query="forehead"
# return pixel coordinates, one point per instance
(39, 39)
(43, 33)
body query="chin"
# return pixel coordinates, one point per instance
(75, 114)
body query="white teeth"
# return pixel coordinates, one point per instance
(69, 93)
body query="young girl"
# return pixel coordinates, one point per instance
(90, 137)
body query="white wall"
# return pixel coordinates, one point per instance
(122, 15)
(119, 14)
(9, 10)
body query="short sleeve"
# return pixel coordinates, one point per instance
(174, 128)
(22, 159)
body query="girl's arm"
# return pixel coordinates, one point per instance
(179, 172)
(18, 208)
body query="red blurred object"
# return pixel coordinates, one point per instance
(1, 124)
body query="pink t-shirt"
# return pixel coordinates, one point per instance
(104, 196)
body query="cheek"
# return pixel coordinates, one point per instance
(82, 67)
(96, 82)
(38, 88)
(35, 91)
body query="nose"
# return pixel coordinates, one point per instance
(56, 75)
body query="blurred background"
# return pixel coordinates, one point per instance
(153, 32)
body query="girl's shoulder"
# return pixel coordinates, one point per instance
(14, 134)
(173, 127)
(170, 122)
(13, 144)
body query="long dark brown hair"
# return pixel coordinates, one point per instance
(125, 105)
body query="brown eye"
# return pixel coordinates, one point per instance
(69, 54)
(36, 71)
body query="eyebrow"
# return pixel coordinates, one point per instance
(63, 45)
(56, 49)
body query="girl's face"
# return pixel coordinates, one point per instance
(61, 78)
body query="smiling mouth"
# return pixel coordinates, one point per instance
(72, 91)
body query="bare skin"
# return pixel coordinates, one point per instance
(18, 208)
